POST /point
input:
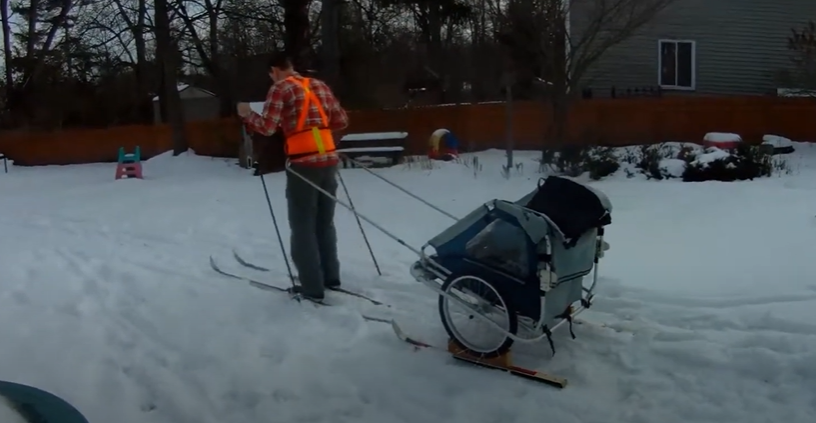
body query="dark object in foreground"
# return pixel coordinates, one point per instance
(35, 405)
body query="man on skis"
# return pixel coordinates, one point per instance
(307, 112)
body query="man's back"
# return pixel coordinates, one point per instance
(294, 96)
(284, 103)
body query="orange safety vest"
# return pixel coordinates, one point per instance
(314, 140)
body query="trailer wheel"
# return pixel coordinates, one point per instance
(482, 339)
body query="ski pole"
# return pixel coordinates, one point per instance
(275, 222)
(359, 223)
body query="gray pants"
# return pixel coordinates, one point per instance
(311, 221)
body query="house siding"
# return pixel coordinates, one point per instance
(741, 46)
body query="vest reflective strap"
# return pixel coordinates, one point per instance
(318, 140)
(308, 98)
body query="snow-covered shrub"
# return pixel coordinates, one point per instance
(668, 160)
(573, 161)
(568, 161)
(660, 161)
(687, 152)
(602, 162)
(650, 158)
(672, 168)
(745, 162)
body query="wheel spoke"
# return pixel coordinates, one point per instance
(471, 331)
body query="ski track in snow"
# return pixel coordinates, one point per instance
(707, 295)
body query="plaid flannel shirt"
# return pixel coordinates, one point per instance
(282, 108)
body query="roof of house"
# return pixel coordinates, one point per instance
(182, 87)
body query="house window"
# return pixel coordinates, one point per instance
(676, 63)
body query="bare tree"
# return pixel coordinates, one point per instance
(43, 22)
(250, 27)
(436, 21)
(330, 44)
(554, 44)
(122, 30)
(5, 19)
(137, 24)
(102, 63)
(802, 45)
(296, 30)
(208, 15)
(169, 94)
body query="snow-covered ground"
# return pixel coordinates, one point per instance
(107, 300)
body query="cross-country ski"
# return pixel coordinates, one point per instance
(270, 287)
(252, 282)
(339, 289)
(245, 263)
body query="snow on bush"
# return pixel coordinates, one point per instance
(670, 160)
(659, 161)
(599, 162)
(711, 155)
(672, 168)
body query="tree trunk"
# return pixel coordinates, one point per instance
(141, 57)
(296, 27)
(4, 18)
(509, 142)
(161, 90)
(6, 118)
(435, 52)
(168, 72)
(212, 56)
(329, 40)
(219, 68)
(560, 115)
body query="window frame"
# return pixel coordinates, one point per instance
(677, 42)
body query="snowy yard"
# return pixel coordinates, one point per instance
(708, 294)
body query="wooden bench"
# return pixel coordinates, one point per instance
(373, 149)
